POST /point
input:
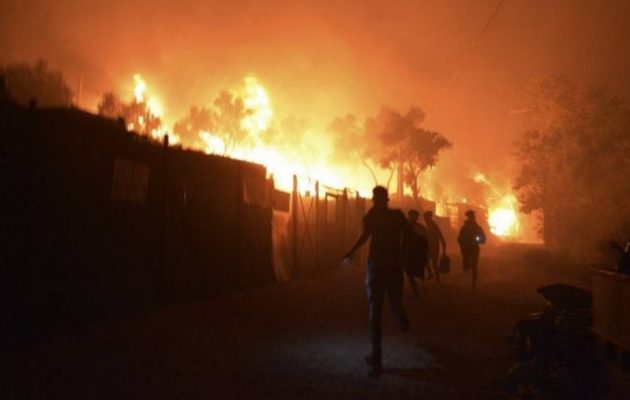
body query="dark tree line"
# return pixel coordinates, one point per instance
(25, 82)
(575, 165)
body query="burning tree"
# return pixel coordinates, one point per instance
(228, 120)
(350, 143)
(111, 106)
(140, 114)
(198, 119)
(222, 121)
(393, 142)
(419, 152)
(25, 82)
(573, 164)
(137, 114)
(229, 113)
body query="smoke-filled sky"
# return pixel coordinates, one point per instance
(319, 59)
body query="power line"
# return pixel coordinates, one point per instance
(474, 45)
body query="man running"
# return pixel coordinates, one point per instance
(384, 269)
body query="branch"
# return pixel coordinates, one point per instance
(391, 175)
(371, 170)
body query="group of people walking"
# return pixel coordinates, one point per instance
(398, 244)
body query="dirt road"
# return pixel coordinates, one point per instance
(306, 339)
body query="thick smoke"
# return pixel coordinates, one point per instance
(327, 58)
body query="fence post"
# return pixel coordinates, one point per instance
(316, 239)
(294, 222)
(344, 217)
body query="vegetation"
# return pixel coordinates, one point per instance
(26, 82)
(574, 165)
(392, 141)
(137, 114)
(223, 119)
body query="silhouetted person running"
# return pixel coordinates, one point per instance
(435, 239)
(415, 250)
(384, 269)
(470, 237)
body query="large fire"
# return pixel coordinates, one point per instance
(256, 122)
(148, 114)
(502, 215)
(283, 163)
(256, 100)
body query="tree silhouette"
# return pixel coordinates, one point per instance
(420, 153)
(229, 111)
(390, 141)
(223, 119)
(25, 82)
(198, 119)
(111, 106)
(573, 164)
(136, 114)
(400, 143)
(349, 143)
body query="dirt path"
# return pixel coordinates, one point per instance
(305, 339)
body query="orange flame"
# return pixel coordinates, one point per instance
(283, 164)
(503, 218)
(154, 109)
(502, 215)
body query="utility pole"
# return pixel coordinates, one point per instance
(317, 223)
(294, 222)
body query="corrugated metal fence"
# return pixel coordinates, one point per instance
(96, 220)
